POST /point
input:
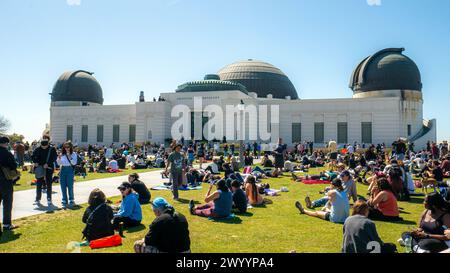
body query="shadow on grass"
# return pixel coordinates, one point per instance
(416, 200)
(186, 201)
(234, 220)
(9, 236)
(245, 214)
(136, 228)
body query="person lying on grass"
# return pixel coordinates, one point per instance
(130, 212)
(168, 233)
(218, 204)
(360, 232)
(97, 217)
(338, 205)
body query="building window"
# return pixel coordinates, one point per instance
(409, 129)
(342, 132)
(366, 132)
(149, 134)
(99, 133)
(318, 132)
(69, 133)
(84, 133)
(116, 133)
(296, 132)
(132, 133)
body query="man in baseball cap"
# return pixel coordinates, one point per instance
(168, 232)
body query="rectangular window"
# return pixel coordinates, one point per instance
(69, 132)
(318, 132)
(409, 129)
(132, 133)
(296, 132)
(116, 133)
(342, 132)
(84, 133)
(99, 133)
(366, 132)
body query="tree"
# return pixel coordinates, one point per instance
(15, 138)
(4, 125)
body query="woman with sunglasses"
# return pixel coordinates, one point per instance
(67, 160)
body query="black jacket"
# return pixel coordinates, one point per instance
(40, 156)
(169, 233)
(6, 160)
(99, 224)
(144, 194)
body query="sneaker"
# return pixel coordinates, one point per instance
(72, 204)
(191, 206)
(37, 203)
(299, 207)
(63, 205)
(10, 227)
(308, 202)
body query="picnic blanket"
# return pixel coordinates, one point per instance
(316, 182)
(165, 187)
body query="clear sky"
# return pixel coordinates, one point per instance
(156, 45)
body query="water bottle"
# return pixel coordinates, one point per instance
(408, 244)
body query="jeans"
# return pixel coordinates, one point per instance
(127, 222)
(177, 180)
(400, 156)
(6, 198)
(66, 181)
(46, 181)
(320, 202)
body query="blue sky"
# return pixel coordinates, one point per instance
(156, 45)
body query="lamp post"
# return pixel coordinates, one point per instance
(241, 138)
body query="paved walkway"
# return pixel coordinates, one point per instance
(23, 200)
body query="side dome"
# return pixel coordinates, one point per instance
(259, 77)
(388, 69)
(77, 86)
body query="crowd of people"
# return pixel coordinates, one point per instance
(390, 175)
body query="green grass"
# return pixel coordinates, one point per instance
(278, 227)
(26, 178)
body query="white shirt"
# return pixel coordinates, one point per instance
(64, 162)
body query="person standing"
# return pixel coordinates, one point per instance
(6, 186)
(175, 162)
(44, 158)
(67, 160)
(19, 150)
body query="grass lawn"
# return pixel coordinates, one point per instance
(26, 178)
(278, 227)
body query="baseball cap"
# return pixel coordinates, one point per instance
(124, 186)
(4, 140)
(160, 203)
(345, 173)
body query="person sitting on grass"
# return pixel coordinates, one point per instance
(434, 222)
(239, 197)
(98, 217)
(113, 166)
(383, 204)
(130, 212)
(218, 204)
(338, 209)
(359, 232)
(140, 188)
(168, 233)
(252, 191)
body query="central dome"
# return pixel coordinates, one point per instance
(259, 77)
